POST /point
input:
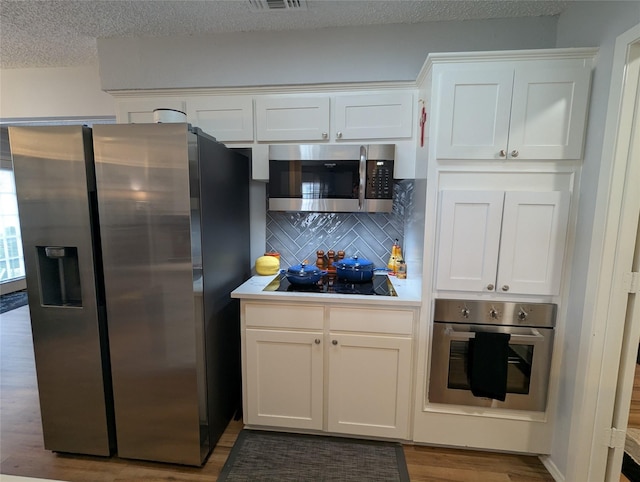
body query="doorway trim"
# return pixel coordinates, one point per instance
(604, 321)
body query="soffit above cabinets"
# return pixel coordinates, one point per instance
(64, 33)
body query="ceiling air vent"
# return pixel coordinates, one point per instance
(260, 5)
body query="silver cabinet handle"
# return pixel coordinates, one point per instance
(514, 153)
(317, 341)
(325, 135)
(505, 288)
(490, 287)
(334, 342)
(503, 153)
(339, 135)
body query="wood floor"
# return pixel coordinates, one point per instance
(634, 412)
(634, 409)
(22, 452)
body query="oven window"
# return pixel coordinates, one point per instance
(314, 179)
(518, 372)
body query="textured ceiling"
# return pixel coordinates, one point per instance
(52, 33)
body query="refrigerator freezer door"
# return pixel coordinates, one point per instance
(55, 186)
(143, 182)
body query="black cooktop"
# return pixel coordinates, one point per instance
(380, 285)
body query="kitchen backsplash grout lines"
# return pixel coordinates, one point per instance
(298, 235)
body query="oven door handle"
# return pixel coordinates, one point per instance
(468, 335)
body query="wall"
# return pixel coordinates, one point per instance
(378, 53)
(53, 92)
(586, 25)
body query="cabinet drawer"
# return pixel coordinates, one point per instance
(371, 321)
(284, 316)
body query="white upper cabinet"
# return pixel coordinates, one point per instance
(509, 242)
(251, 118)
(475, 106)
(140, 111)
(548, 112)
(374, 116)
(227, 118)
(533, 109)
(292, 118)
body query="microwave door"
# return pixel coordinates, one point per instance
(314, 185)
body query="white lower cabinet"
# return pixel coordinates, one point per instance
(351, 376)
(369, 385)
(284, 378)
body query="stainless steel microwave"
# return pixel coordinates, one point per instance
(331, 178)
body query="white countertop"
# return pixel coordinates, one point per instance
(408, 290)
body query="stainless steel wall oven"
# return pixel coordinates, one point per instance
(481, 347)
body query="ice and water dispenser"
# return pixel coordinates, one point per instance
(59, 276)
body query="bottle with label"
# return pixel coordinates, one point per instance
(399, 258)
(402, 270)
(391, 264)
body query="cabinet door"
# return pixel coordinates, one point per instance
(469, 240)
(548, 112)
(369, 385)
(284, 378)
(228, 118)
(140, 111)
(534, 230)
(374, 116)
(474, 108)
(292, 118)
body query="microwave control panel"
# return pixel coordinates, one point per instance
(379, 180)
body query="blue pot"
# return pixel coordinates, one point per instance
(303, 274)
(355, 270)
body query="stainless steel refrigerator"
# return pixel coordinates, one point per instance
(173, 215)
(55, 186)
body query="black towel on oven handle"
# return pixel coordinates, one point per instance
(488, 364)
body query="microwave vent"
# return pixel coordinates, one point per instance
(261, 5)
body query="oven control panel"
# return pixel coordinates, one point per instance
(492, 312)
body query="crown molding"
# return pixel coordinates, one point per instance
(586, 53)
(265, 90)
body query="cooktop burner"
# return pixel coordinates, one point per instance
(380, 285)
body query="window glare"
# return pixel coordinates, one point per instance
(11, 262)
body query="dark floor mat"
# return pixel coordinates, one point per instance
(273, 456)
(11, 301)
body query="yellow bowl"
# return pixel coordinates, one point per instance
(266, 265)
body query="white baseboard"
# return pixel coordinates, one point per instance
(550, 465)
